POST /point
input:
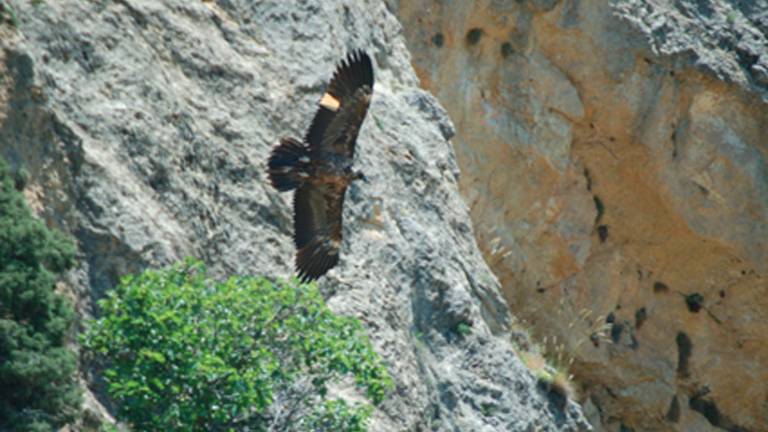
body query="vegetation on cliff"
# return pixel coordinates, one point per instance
(37, 370)
(185, 352)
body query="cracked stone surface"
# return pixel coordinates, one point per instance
(614, 157)
(145, 126)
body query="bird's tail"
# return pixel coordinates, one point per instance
(288, 164)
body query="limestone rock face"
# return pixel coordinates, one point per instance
(145, 126)
(614, 155)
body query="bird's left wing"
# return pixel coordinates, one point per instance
(341, 113)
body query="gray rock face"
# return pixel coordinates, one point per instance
(146, 125)
(728, 38)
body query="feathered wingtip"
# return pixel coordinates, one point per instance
(355, 71)
(287, 164)
(315, 259)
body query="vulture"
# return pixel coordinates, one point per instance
(319, 168)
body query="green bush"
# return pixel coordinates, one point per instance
(184, 352)
(38, 388)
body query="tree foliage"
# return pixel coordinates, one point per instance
(184, 352)
(39, 388)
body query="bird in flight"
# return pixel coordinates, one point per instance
(319, 168)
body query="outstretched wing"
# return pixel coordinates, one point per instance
(317, 229)
(343, 107)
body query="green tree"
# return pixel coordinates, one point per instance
(184, 352)
(38, 388)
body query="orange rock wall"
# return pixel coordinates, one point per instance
(608, 180)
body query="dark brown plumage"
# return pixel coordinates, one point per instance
(319, 169)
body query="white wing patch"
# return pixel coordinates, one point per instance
(330, 102)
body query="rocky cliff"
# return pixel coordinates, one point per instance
(614, 155)
(144, 126)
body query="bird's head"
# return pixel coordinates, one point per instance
(358, 175)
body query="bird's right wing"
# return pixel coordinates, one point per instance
(317, 230)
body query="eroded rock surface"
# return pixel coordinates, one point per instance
(614, 155)
(145, 127)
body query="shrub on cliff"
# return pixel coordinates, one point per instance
(38, 388)
(184, 352)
